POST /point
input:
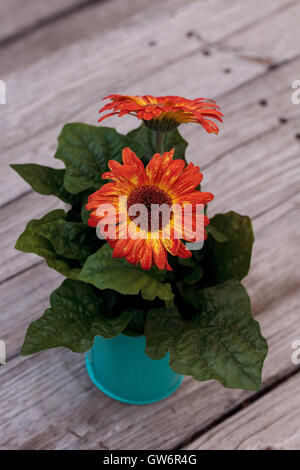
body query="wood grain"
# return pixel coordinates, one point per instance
(101, 16)
(17, 16)
(260, 425)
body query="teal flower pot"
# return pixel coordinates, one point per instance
(120, 368)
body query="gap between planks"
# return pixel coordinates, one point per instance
(269, 423)
(193, 441)
(17, 23)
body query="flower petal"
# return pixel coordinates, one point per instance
(154, 169)
(195, 197)
(159, 253)
(146, 258)
(171, 245)
(183, 252)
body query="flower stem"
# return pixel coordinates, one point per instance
(160, 142)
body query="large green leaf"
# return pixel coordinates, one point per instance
(218, 236)
(30, 241)
(106, 272)
(70, 240)
(85, 150)
(76, 316)
(229, 259)
(172, 139)
(44, 180)
(84, 213)
(224, 342)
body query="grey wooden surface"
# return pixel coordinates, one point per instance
(58, 59)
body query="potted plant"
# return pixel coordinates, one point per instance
(144, 303)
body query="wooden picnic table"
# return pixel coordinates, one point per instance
(58, 59)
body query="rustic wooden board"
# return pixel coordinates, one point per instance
(82, 81)
(260, 45)
(271, 423)
(100, 16)
(258, 107)
(18, 16)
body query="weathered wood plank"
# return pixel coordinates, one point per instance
(100, 16)
(257, 43)
(270, 423)
(17, 16)
(38, 391)
(256, 108)
(41, 146)
(245, 179)
(232, 15)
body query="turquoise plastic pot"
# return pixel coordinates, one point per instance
(120, 368)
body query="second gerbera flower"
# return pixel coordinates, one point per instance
(164, 113)
(163, 181)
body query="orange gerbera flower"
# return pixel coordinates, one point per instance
(163, 181)
(164, 113)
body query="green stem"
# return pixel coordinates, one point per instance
(160, 142)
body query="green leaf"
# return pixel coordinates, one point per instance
(172, 139)
(70, 240)
(194, 276)
(223, 343)
(84, 213)
(161, 329)
(30, 241)
(86, 150)
(218, 236)
(229, 259)
(187, 262)
(106, 272)
(44, 180)
(76, 316)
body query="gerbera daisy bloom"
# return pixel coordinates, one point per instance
(165, 113)
(163, 181)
